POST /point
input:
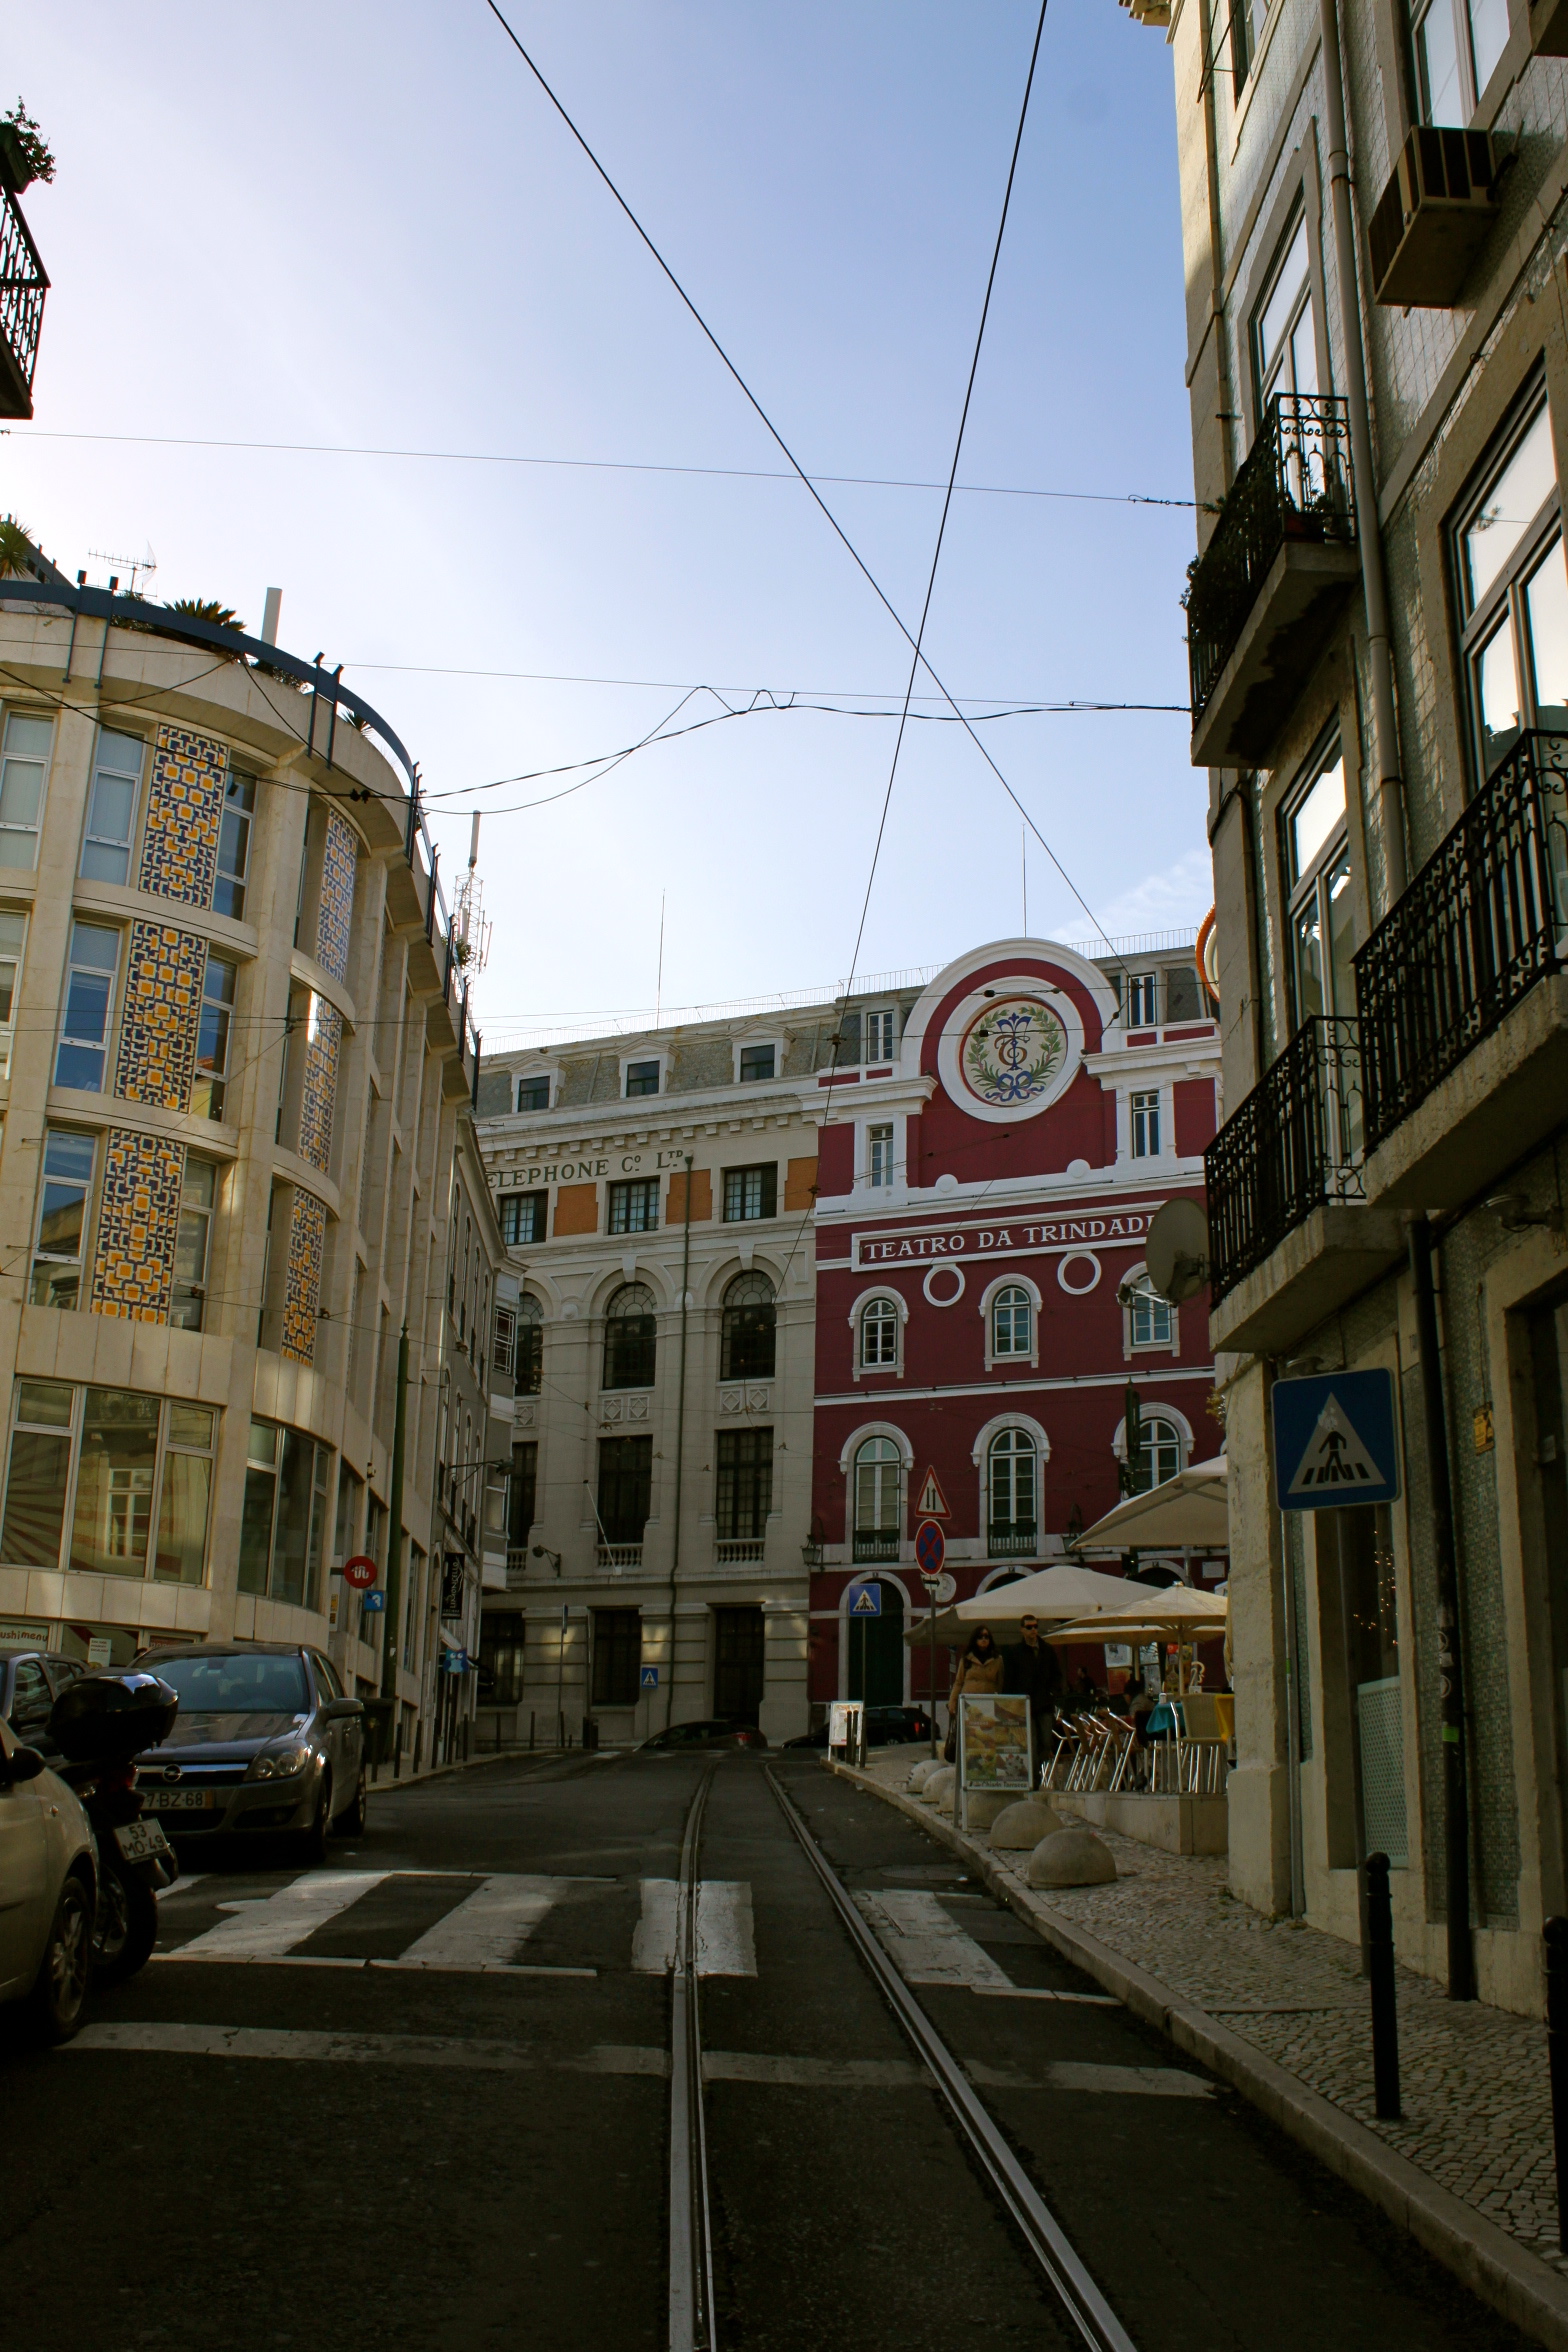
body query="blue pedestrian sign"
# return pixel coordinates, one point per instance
(374, 1601)
(1335, 1441)
(649, 1678)
(867, 1601)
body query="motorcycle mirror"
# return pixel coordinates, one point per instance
(21, 1764)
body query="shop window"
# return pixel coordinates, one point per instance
(630, 1338)
(879, 1335)
(748, 1333)
(617, 1656)
(1513, 594)
(743, 1484)
(110, 832)
(24, 763)
(62, 1218)
(130, 1475)
(39, 1474)
(89, 1002)
(213, 1036)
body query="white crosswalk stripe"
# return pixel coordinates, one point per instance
(925, 1942)
(726, 1935)
(490, 1925)
(268, 1929)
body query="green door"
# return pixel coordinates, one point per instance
(876, 1651)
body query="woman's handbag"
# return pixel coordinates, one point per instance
(950, 1744)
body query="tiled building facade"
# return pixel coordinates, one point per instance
(1379, 388)
(233, 1097)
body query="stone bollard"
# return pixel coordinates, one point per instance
(922, 1773)
(1071, 1858)
(1021, 1825)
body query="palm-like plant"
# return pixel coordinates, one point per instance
(17, 552)
(207, 608)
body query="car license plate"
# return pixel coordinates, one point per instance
(178, 1800)
(140, 1841)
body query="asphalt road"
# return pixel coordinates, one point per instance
(419, 2100)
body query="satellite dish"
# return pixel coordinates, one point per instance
(1178, 1251)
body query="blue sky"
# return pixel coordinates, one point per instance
(356, 224)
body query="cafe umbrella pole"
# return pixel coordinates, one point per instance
(931, 1698)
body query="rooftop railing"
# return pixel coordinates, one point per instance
(23, 284)
(1294, 484)
(1295, 1143)
(1479, 925)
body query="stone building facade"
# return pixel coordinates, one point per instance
(1374, 237)
(234, 1073)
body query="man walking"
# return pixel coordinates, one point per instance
(1033, 1671)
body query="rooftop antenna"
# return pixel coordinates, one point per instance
(471, 928)
(134, 564)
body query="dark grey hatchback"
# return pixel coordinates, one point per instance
(265, 1740)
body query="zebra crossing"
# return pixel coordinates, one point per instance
(479, 1923)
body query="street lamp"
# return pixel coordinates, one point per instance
(543, 1552)
(811, 1549)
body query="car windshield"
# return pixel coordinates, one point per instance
(245, 1684)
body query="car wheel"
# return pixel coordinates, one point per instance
(351, 1822)
(313, 1843)
(53, 2008)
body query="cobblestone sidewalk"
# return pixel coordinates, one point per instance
(1473, 2081)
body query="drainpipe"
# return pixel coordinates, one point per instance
(680, 1441)
(1369, 532)
(1456, 1793)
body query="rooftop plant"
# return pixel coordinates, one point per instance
(24, 157)
(17, 552)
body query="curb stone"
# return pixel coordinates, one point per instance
(1491, 2263)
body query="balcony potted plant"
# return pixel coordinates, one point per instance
(23, 154)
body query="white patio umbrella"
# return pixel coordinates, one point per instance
(1190, 1509)
(1177, 1609)
(1052, 1594)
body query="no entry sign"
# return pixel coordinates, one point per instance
(930, 1548)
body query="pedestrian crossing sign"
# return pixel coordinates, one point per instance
(649, 1677)
(933, 1502)
(1335, 1442)
(867, 1601)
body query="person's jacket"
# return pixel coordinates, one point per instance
(977, 1678)
(1034, 1674)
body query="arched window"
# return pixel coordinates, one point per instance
(530, 1345)
(629, 1338)
(1159, 1456)
(878, 1334)
(1150, 1314)
(1013, 1483)
(748, 1331)
(877, 1500)
(1010, 1319)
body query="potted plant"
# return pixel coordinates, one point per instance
(23, 155)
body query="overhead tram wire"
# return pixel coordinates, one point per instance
(783, 446)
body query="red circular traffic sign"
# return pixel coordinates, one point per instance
(360, 1572)
(930, 1548)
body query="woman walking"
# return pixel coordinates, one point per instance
(981, 1671)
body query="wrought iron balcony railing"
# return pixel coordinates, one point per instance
(1012, 1541)
(1480, 924)
(880, 1543)
(1294, 1143)
(1294, 483)
(23, 284)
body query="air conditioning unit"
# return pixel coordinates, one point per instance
(1433, 218)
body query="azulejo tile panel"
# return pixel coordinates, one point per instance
(338, 863)
(158, 1029)
(138, 1225)
(318, 1093)
(302, 1279)
(184, 816)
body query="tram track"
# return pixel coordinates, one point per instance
(691, 2232)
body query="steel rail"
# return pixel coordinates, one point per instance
(691, 2240)
(1090, 2313)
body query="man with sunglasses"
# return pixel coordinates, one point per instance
(1033, 1671)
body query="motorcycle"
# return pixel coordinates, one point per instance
(100, 1724)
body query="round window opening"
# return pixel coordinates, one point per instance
(1075, 1261)
(945, 1297)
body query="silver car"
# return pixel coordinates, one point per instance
(265, 1742)
(48, 1880)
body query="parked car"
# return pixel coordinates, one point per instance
(30, 1682)
(265, 1741)
(48, 1889)
(716, 1734)
(885, 1727)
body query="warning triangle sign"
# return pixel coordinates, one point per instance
(1335, 1456)
(933, 1502)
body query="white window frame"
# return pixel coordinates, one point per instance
(1146, 1347)
(1164, 1105)
(114, 843)
(886, 1018)
(993, 1361)
(111, 1009)
(552, 1078)
(19, 953)
(627, 1060)
(846, 1463)
(863, 1128)
(980, 1455)
(750, 1045)
(9, 830)
(84, 1258)
(861, 1369)
(1158, 1410)
(1142, 981)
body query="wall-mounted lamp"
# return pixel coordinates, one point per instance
(543, 1552)
(1514, 1215)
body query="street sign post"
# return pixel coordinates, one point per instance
(1335, 1441)
(865, 1600)
(930, 1552)
(361, 1572)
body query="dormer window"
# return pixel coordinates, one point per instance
(756, 1062)
(1143, 1000)
(879, 1037)
(533, 1094)
(642, 1078)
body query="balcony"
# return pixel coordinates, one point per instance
(618, 1556)
(23, 285)
(1266, 591)
(731, 1550)
(882, 1543)
(1012, 1542)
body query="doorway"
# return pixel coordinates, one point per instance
(876, 1650)
(739, 1667)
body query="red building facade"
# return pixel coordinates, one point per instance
(986, 1182)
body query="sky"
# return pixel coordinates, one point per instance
(365, 227)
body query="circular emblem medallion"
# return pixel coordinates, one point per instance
(1013, 1052)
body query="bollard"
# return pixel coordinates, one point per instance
(1380, 1968)
(1556, 1936)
